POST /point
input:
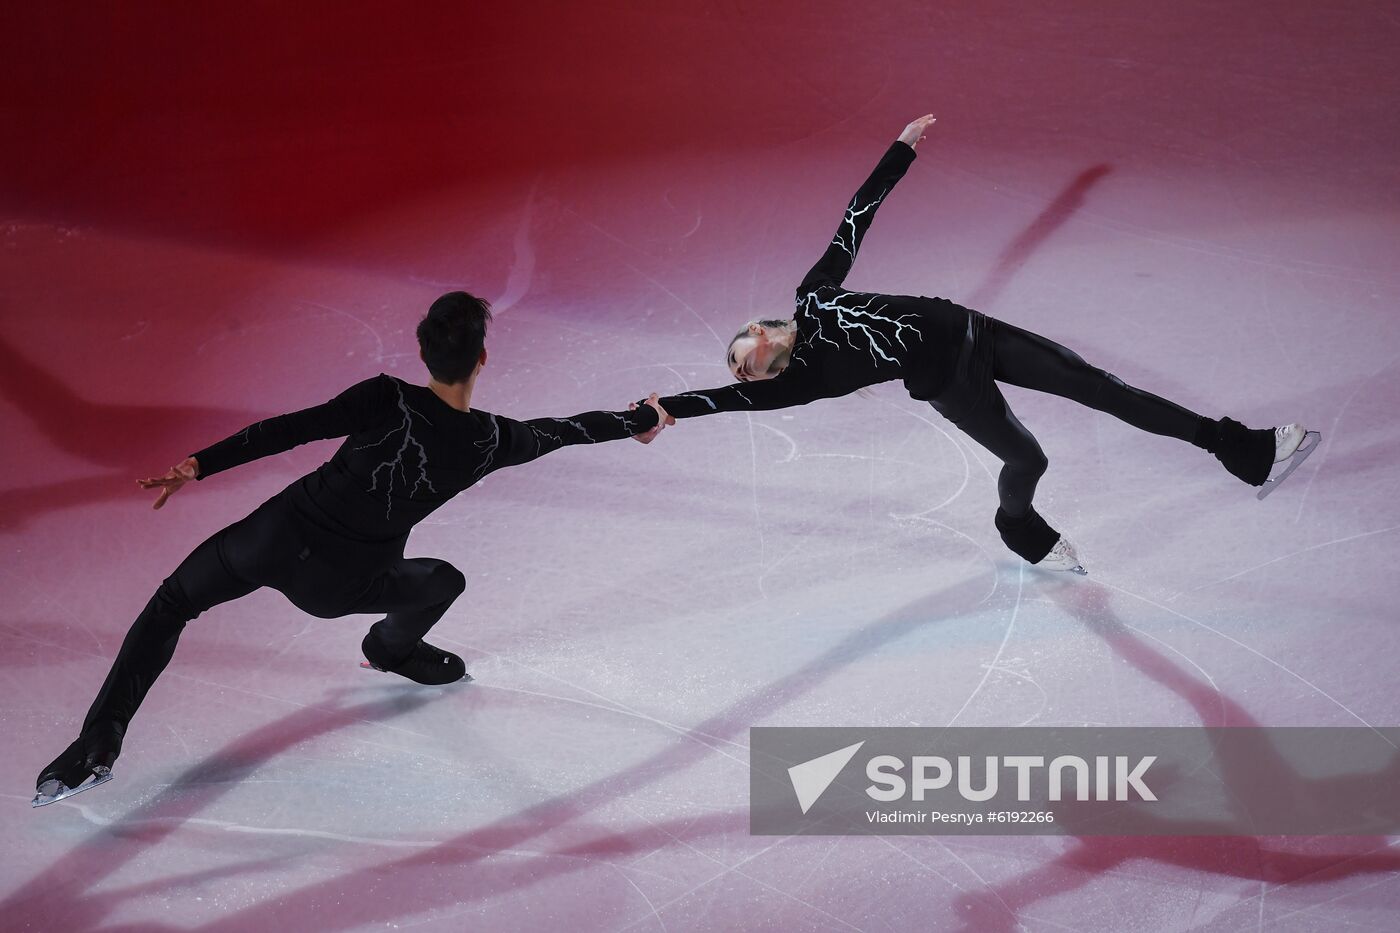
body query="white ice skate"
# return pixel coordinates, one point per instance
(1062, 557)
(1293, 443)
(54, 790)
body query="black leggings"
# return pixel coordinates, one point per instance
(321, 574)
(999, 351)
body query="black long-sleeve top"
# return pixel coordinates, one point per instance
(406, 452)
(848, 340)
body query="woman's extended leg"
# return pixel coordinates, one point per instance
(1029, 360)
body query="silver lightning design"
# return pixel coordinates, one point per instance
(396, 462)
(708, 401)
(848, 232)
(487, 445)
(558, 439)
(856, 319)
(545, 440)
(580, 428)
(732, 388)
(542, 435)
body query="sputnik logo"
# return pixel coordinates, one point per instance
(811, 778)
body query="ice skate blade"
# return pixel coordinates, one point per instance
(1305, 448)
(53, 791)
(1078, 569)
(366, 666)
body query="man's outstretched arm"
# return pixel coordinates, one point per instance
(517, 442)
(341, 416)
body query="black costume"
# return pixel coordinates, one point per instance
(333, 540)
(952, 357)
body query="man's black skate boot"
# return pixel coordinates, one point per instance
(1247, 454)
(83, 765)
(425, 664)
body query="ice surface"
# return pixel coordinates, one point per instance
(197, 233)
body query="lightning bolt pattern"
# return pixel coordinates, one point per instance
(858, 326)
(395, 465)
(488, 445)
(556, 438)
(542, 435)
(848, 234)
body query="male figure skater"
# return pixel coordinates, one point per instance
(332, 542)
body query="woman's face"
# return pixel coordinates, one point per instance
(751, 358)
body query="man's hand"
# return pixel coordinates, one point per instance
(169, 484)
(662, 420)
(914, 133)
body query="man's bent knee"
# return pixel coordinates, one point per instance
(448, 580)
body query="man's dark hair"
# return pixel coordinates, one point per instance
(452, 334)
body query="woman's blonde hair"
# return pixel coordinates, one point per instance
(763, 322)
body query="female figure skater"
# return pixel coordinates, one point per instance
(332, 542)
(953, 357)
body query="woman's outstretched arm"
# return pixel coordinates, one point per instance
(784, 391)
(836, 262)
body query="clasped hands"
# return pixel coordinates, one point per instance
(662, 420)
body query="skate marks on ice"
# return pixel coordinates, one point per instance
(1354, 463)
(1290, 555)
(1257, 653)
(723, 745)
(522, 267)
(1006, 637)
(62, 895)
(520, 274)
(584, 846)
(1274, 863)
(436, 879)
(548, 816)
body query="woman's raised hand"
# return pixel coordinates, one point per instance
(914, 133)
